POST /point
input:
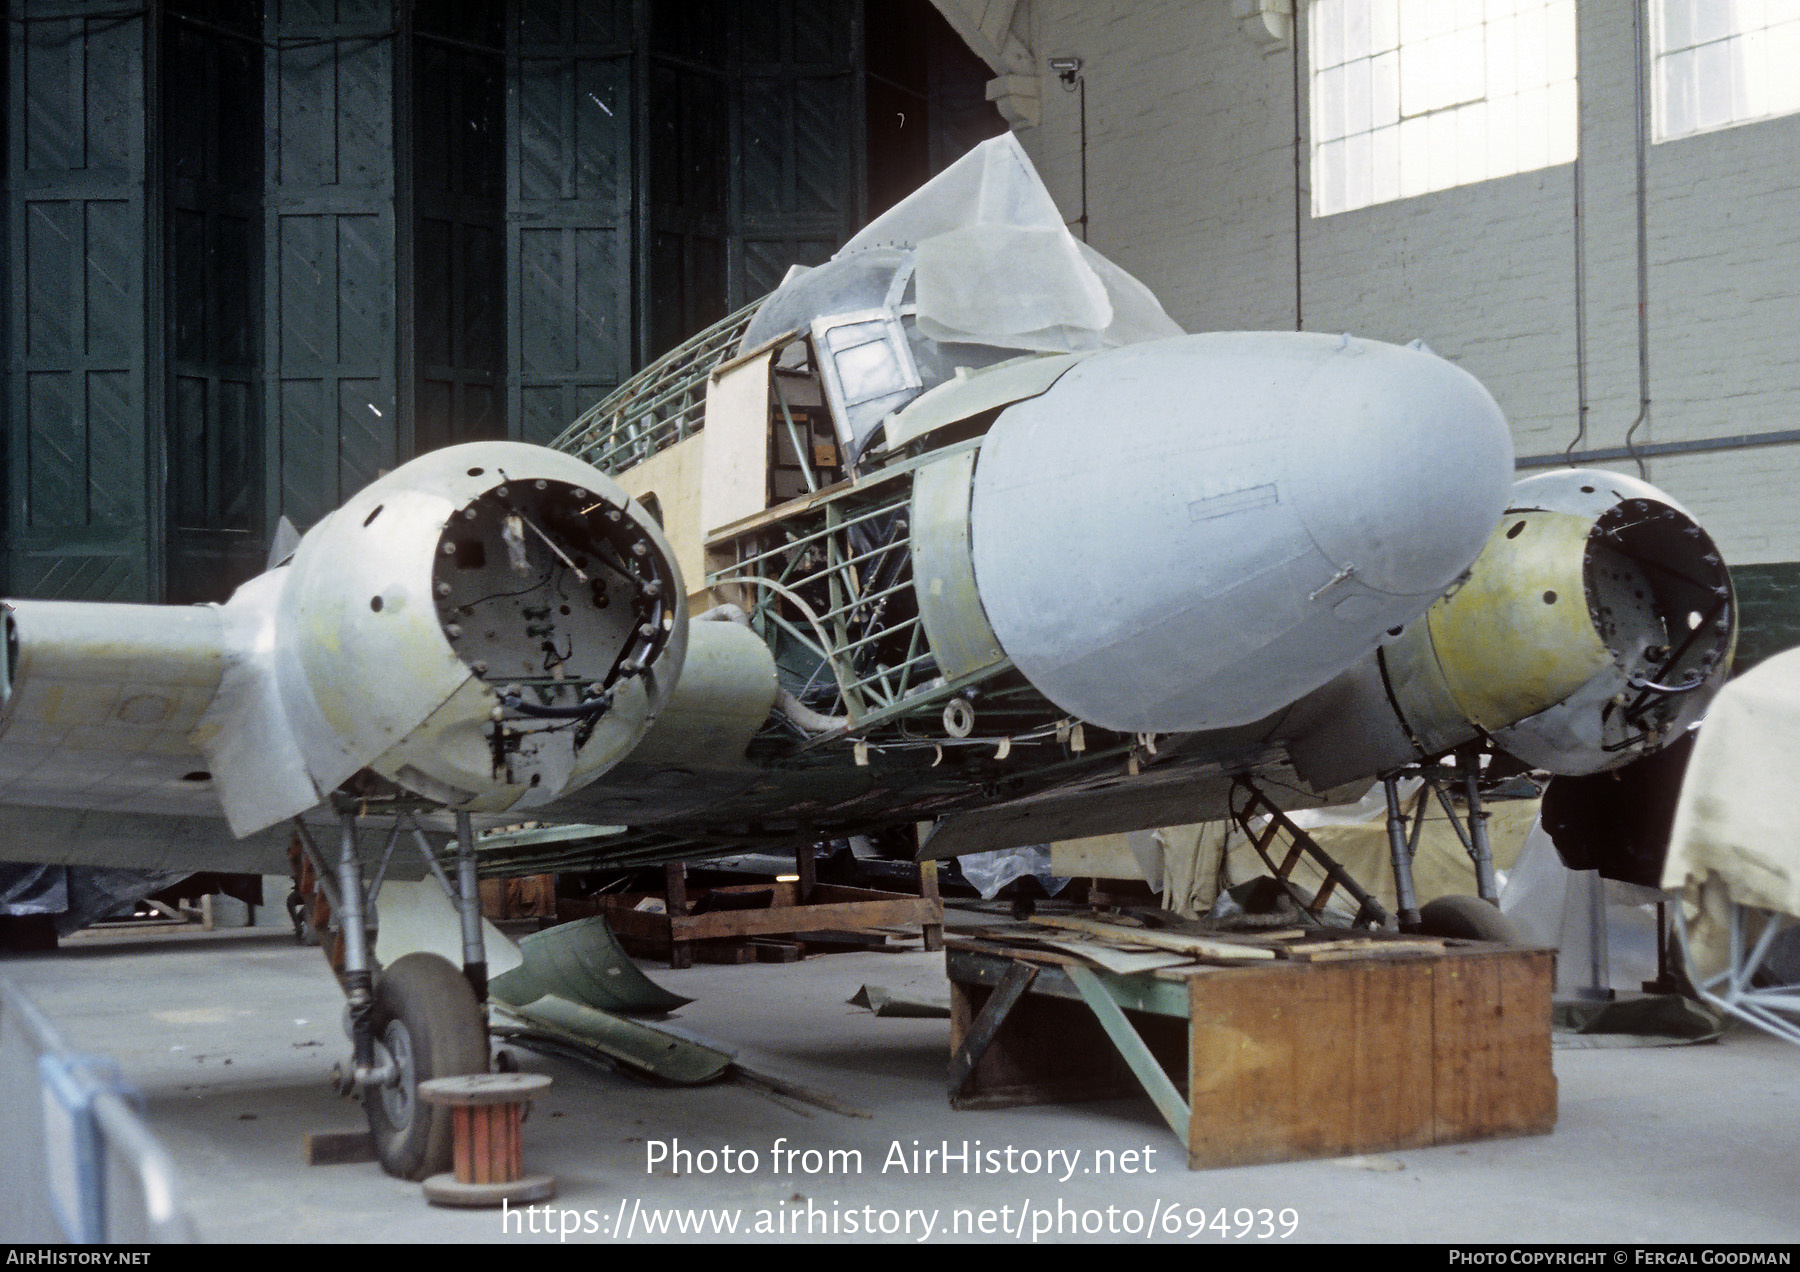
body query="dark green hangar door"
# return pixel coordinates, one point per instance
(256, 254)
(81, 366)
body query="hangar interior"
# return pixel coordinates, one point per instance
(259, 255)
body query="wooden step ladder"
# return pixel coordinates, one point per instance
(1247, 803)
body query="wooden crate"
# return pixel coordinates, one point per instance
(519, 897)
(1288, 1060)
(829, 908)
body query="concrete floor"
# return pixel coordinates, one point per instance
(230, 1035)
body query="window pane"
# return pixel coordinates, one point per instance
(1435, 93)
(1677, 24)
(1328, 32)
(1384, 25)
(1384, 89)
(1712, 20)
(1330, 117)
(1723, 62)
(1356, 32)
(1384, 185)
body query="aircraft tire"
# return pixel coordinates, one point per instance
(427, 1019)
(1469, 919)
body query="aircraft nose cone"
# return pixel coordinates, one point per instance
(1191, 533)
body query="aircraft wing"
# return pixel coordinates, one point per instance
(103, 702)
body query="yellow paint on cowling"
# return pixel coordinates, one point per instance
(1506, 652)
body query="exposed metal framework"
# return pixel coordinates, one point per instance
(832, 586)
(661, 405)
(1736, 988)
(826, 579)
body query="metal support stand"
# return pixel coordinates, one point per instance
(1403, 847)
(1775, 1009)
(353, 914)
(1665, 982)
(808, 871)
(1599, 986)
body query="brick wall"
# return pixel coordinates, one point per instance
(1191, 187)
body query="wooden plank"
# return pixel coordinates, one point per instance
(1133, 993)
(337, 1148)
(777, 951)
(1336, 951)
(1391, 1045)
(1371, 944)
(810, 918)
(1249, 1058)
(832, 892)
(973, 1041)
(1049, 1050)
(1310, 1061)
(681, 954)
(1118, 961)
(1200, 946)
(723, 536)
(1287, 1059)
(928, 888)
(734, 467)
(848, 909)
(956, 945)
(673, 476)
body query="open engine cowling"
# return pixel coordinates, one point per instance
(1595, 626)
(489, 626)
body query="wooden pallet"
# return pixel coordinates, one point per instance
(828, 908)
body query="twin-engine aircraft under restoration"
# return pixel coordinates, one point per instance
(957, 528)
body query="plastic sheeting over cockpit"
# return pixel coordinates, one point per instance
(993, 264)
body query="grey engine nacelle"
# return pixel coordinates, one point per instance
(1191, 533)
(489, 626)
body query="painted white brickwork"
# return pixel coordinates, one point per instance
(1191, 187)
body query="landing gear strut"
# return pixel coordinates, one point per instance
(1461, 917)
(417, 1019)
(1475, 918)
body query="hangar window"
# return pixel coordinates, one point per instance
(1723, 62)
(1411, 96)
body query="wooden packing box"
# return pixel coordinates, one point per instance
(830, 908)
(1285, 1060)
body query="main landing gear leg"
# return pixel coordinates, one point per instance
(417, 1019)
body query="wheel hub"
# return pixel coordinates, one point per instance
(398, 1094)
